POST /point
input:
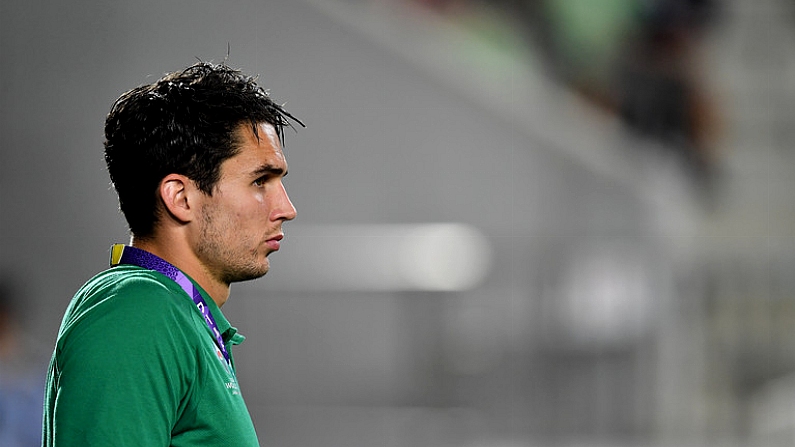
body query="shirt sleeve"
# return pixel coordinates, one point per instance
(124, 370)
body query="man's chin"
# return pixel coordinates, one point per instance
(248, 274)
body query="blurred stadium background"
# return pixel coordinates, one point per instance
(521, 222)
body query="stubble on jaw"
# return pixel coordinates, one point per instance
(221, 258)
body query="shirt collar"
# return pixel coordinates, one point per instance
(120, 253)
(228, 333)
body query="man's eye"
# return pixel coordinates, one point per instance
(261, 181)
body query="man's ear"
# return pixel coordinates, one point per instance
(176, 193)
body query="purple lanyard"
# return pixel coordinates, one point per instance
(125, 254)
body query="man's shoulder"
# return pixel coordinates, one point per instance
(131, 293)
(128, 282)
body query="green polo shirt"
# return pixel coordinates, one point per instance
(135, 364)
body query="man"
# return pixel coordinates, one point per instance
(143, 356)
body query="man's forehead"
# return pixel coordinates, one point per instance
(266, 130)
(265, 135)
(262, 148)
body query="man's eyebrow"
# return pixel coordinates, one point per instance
(269, 169)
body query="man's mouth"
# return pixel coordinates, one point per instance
(275, 243)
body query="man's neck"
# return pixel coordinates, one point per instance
(184, 259)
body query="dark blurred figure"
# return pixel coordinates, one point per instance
(21, 376)
(637, 59)
(659, 89)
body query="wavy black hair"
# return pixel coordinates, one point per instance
(185, 123)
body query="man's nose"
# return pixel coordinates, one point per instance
(285, 210)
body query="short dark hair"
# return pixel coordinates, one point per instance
(185, 123)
